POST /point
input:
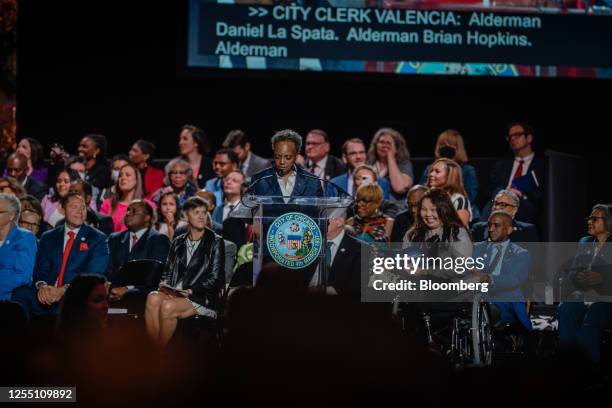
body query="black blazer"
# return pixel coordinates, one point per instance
(522, 232)
(152, 245)
(35, 188)
(99, 175)
(602, 264)
(205, 173)
(345, 271)
(306, 185)
(333, 167)
(205, 274)
(403, 222)
(531, 203)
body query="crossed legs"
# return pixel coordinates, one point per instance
(162, 314)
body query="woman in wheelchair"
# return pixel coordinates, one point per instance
(192, 278)
(437, 224)
(582, 323)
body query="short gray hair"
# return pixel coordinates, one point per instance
(172, 164)
(287, 135)
(339, 212)
(513, 197)
(13, 203)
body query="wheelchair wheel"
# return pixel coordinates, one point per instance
(483, 345)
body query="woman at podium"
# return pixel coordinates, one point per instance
(285, 179)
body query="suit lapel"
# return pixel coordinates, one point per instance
(300, 185)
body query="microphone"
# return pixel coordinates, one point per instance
(337, 187)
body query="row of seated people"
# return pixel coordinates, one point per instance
(287, 145)
(114, 185)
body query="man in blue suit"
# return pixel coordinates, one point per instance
(506, 269)
(354, 155)
(139, 241)
(224, 163)
(63, 253)
(285, 178)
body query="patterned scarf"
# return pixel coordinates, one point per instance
(373, 226)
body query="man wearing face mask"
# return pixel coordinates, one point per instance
(450, 145)
(285, 179)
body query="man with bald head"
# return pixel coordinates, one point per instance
(17, 167)
(506, 270)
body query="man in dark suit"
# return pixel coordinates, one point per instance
(250, 163)
(342, 254)
(520, 138)
(63, 253)
(344, 273)
(507, 201)
(318, 160)
(506, 270)
(140, 241)
(17, 167)
(285, 178)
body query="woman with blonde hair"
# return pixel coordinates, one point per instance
(446, 174)
(450, 145)
(369, 224)
(389, 155)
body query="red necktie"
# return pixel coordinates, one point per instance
(313, 168)
(134, 241)
(60, 278)
(519, 170)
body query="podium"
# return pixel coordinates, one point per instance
(290, 231)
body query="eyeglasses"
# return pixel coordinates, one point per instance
(412, 205)
(178, 173)
(502, 205)
(594, 218)
(516, 134)
(25, 224)
(365, 201)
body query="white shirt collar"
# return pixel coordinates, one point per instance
(139, 233)
(75, 230)
(234, 203)
(286, 189)
(245, 163)
(526, 159)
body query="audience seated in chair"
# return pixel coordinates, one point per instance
(63, 253)
(195, 274)
(17, 167)
(318, 160)
(17, 248)
(506, 270)
(140, 241)
(404, 220)
(343, 258)
(507, 201)
(520, 138)
(369, 224)
(582, 321)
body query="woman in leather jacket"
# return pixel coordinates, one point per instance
(192, 278)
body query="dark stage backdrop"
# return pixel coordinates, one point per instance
(114, 67)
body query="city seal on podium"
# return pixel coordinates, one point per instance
(294, 240)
